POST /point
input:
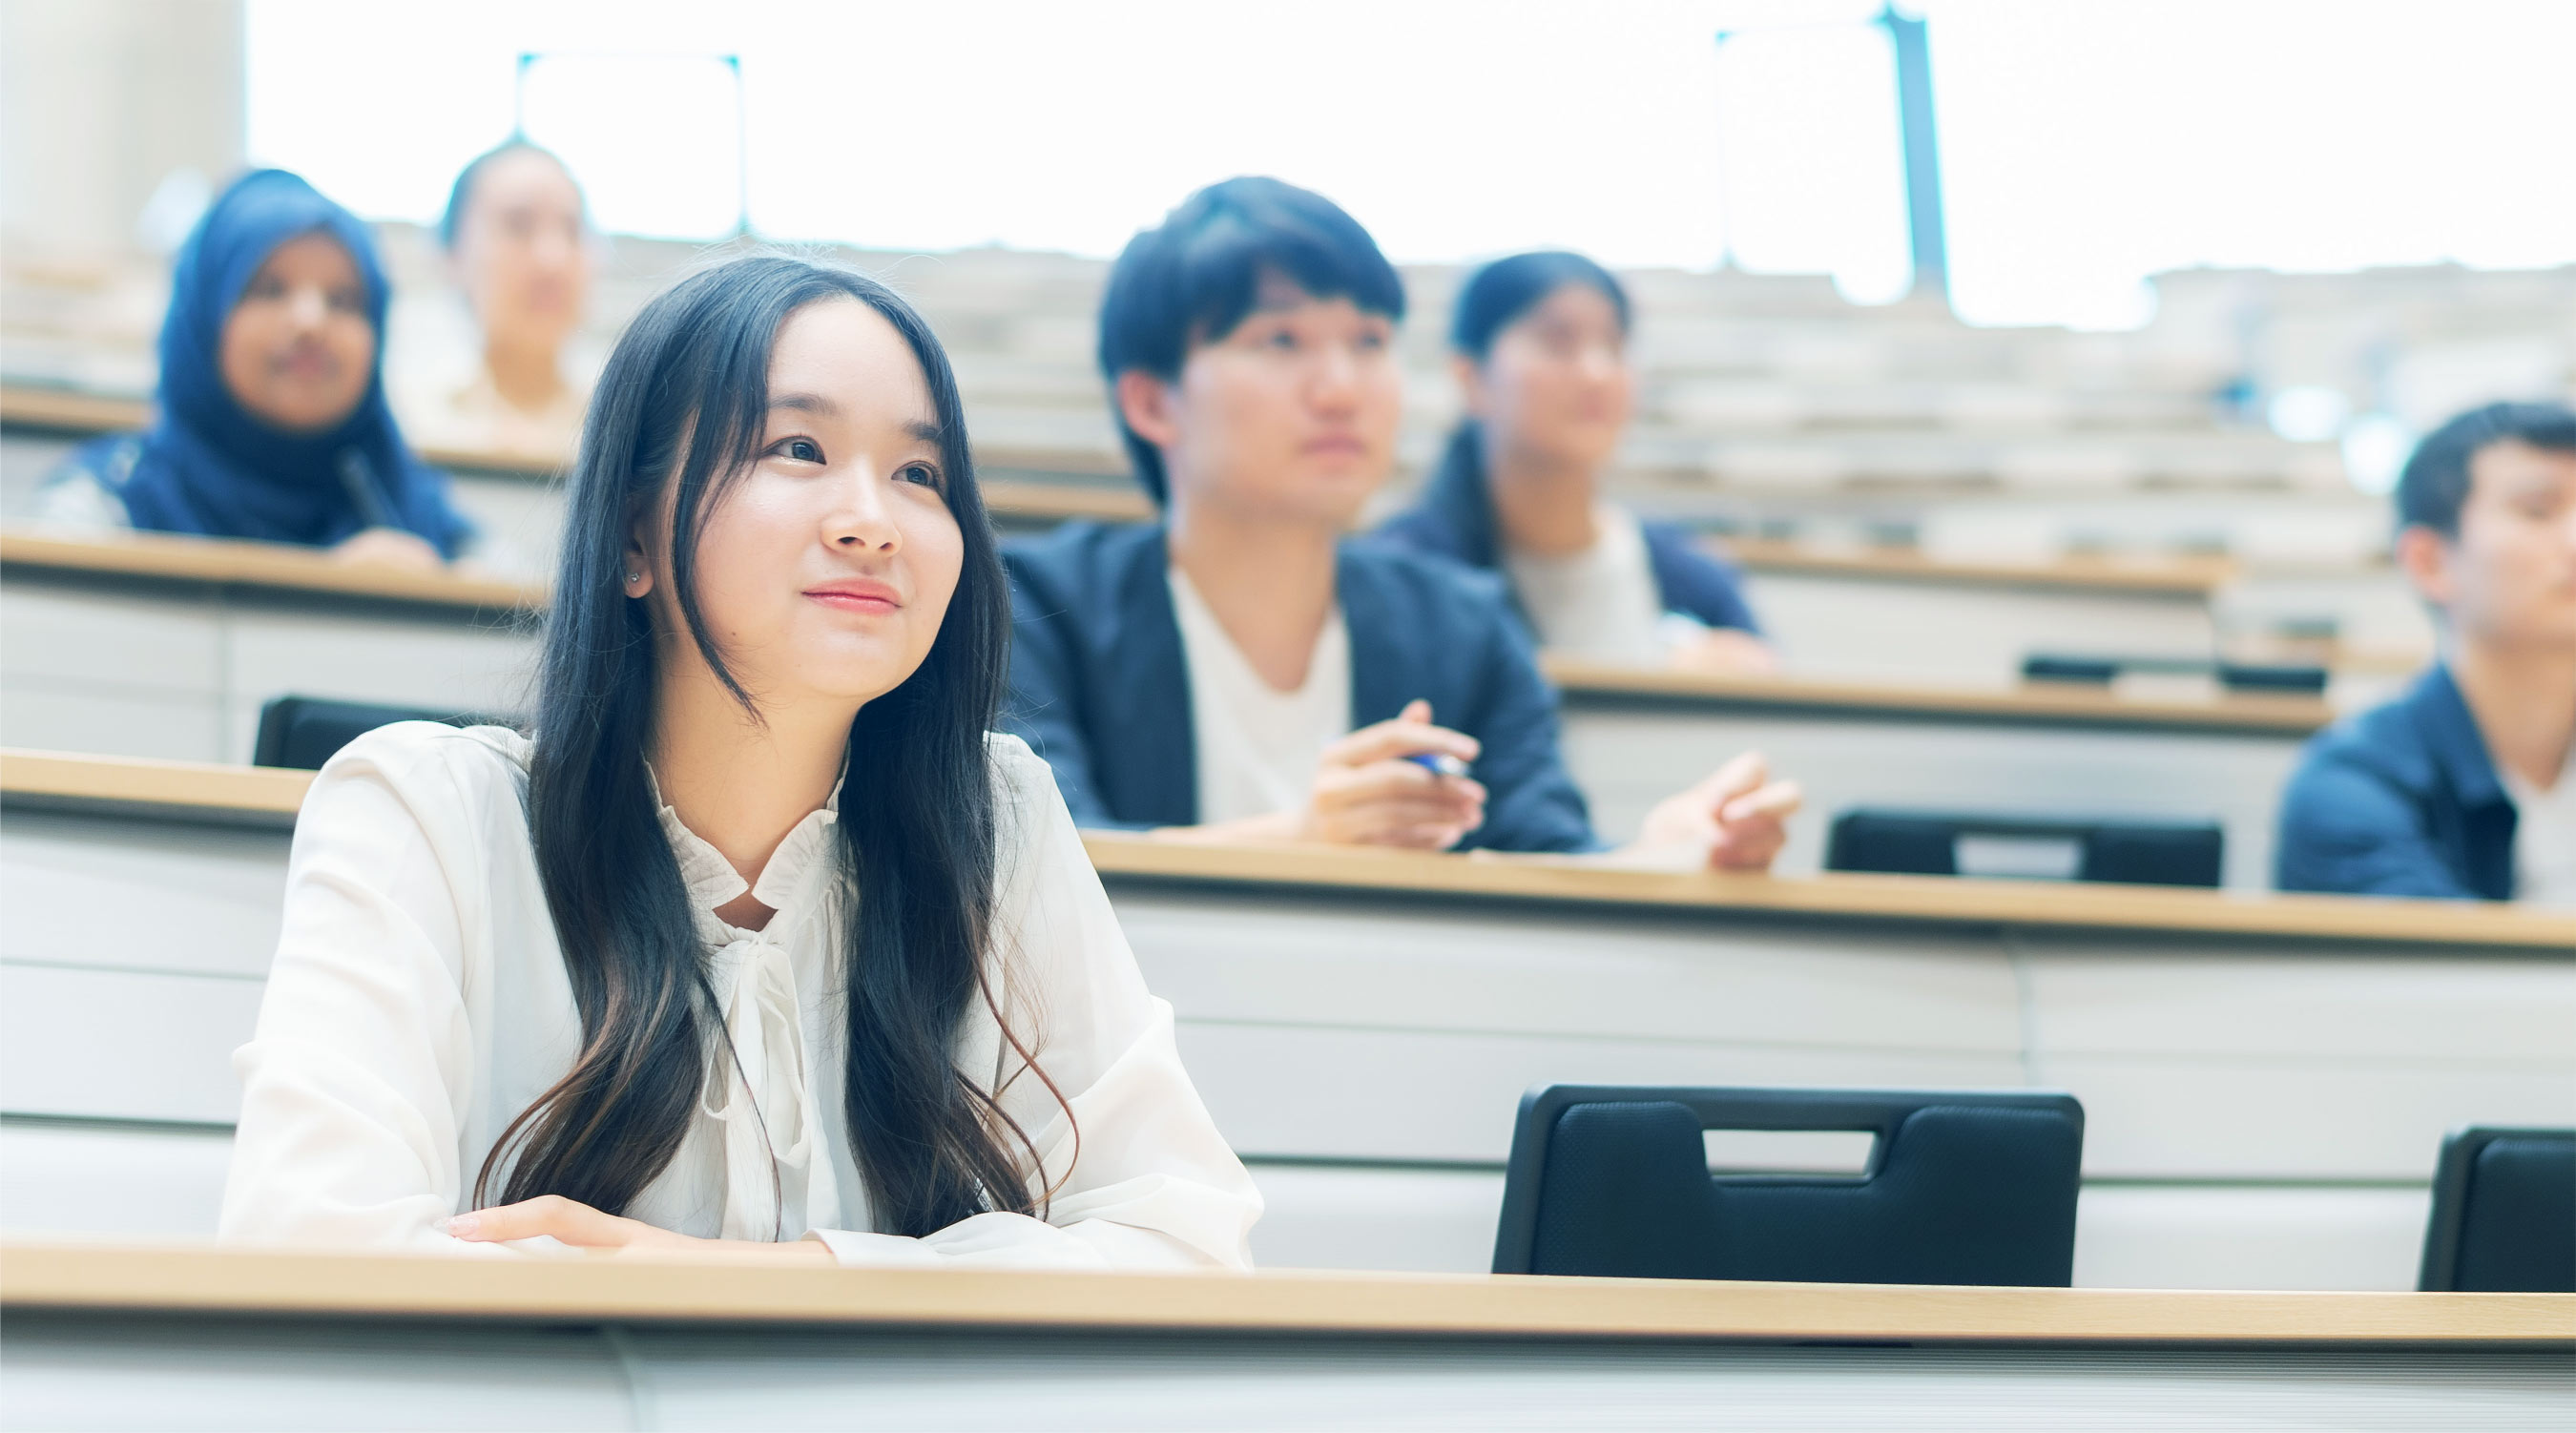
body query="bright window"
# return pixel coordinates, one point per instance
(2084, 144)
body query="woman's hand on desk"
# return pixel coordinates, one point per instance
(571, 1222)
(1738, 817)
(388, 547)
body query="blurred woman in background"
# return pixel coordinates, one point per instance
(1541, 346)
(272, 423)
(518, 236)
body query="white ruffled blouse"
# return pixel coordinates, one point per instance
(418, 1003)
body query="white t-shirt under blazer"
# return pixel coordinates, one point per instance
(419, 1002)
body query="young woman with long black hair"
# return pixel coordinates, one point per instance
(760, 934)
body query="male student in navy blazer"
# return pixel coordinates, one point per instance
(1244, 669)
(2464, 787)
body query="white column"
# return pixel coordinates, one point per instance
(102, 100)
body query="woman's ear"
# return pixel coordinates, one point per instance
(1145, 401)
(1471, 384)
(637, 563)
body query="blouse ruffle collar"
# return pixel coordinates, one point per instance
(785, 883)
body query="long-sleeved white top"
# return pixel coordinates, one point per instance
(419, 1002)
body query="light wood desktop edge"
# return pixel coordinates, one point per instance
(269, 793)
(1584, 681)
(165, 557)
(198, 1280)
(1038, 500)
(2192, 579)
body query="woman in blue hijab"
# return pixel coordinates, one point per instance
(272, 423)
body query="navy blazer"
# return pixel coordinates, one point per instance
(1100, 681)
(1455, 520)
(2399, 801)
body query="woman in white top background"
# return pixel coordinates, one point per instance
(1540, 343)
(521, 251)
(760, 935)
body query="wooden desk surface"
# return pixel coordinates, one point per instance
(713, 1289)
(2177, 577)
(262, 793)
(2057, 703)
(164, 556)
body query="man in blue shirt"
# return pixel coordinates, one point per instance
(2462, 787)
(1243, 670)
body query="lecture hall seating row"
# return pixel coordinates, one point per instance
(153, 645)
(2266, 1079)
(154, 1336)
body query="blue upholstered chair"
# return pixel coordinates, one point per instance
(1960, 1188)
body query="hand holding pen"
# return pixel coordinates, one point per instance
(1401, 782)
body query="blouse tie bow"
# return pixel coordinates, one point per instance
(763, 1102)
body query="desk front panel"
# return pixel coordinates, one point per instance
(1627, 754)
(108, 1371)
(181, 669)
(1368, 1049)
(1899, 629)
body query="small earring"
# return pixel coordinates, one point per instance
(634, 577)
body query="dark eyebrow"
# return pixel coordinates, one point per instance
(930, 433)
(815, 404)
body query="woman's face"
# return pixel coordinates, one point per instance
(297, 351)
(521, 254)
(1556, 381)
(824, 571)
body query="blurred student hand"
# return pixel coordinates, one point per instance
(1735, 819)
(388, 547)
(1367, 794)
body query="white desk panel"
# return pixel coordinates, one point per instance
(122, 1045)
(2194, 1117)
(1628, 754)
(1353, 960)
(2104, 996)
(112, 720)
(182, 898)
(1836, 625)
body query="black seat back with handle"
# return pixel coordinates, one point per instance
(2083, 848)
(2504, 1213)
(1960, 1188)
(304, 732)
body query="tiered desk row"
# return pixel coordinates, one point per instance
(167, 647)
(1849, 612)
(157, 1337)
(2266, 1078)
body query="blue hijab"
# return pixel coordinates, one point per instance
(208, 466)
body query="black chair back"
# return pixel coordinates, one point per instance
(2292, 679)
(1928, 843)
(2504, 1213)
(304, 732)
(1961, 1188)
